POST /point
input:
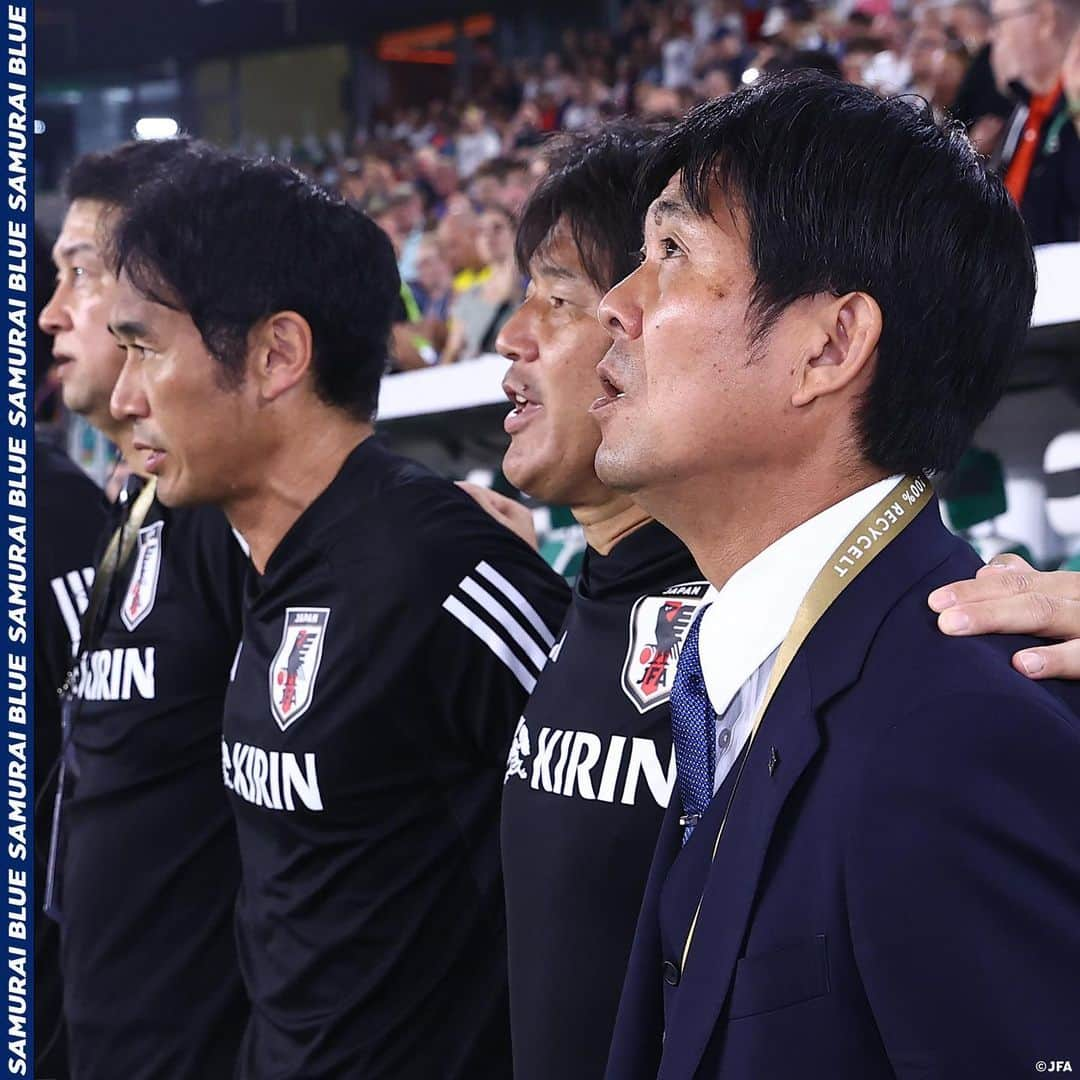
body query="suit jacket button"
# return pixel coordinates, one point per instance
(671, 973)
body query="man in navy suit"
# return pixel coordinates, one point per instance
(872, 865)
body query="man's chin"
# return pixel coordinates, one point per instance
(529, 473)
(616, 469)
(172, 494)
(77, 401)
(551, 480)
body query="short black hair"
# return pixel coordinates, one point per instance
(591, 186)
(231, 240)
(112, 176)
(845, 191)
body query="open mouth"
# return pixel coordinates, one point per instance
(525, 408)
(612, 392)
(153, 456)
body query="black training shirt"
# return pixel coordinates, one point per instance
(588, 778)
(387, 652)
(150, 867)
(69, 516)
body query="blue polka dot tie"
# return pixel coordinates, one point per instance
(693, 722)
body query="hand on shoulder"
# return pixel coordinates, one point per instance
(1010, 597)
(516, 517)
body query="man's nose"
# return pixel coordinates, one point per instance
(619, 312)
(128, 400)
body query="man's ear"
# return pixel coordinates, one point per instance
(281, 352)
(847, 331)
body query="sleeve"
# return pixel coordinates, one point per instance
(963, 874)
(489, 643)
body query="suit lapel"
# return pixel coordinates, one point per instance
(829, 662)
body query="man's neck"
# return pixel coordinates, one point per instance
(291, 479)
(607, 523)
(748, 513)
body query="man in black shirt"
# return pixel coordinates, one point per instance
(391, 631)
(591, 768)
(69, 513)
(145, 868)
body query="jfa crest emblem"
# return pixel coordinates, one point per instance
(296, 663)
(142, 589)
(658, 626)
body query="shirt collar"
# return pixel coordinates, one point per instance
(748, 618)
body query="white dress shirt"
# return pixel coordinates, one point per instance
(747, 620)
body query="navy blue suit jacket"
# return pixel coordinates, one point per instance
(900, 896)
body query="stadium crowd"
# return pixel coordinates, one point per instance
(447, 182)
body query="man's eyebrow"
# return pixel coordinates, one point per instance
(553, 270)
(129, 329)
(675, 208)
(76, 248)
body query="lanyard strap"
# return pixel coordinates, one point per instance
(862, 545)
(117, 552)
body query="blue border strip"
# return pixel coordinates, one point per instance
(19, 541)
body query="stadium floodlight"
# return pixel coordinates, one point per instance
(156, 127)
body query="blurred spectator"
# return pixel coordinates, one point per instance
(433, 287)
(407, 209)
(727, 50)
(978, 104)
(457, 235)
(478, 313)
(970, 22)
(351, 185)
(410, 347)
(858, 54)
(677, 55)
(716, 82)
(525, 128)
(925, 57)
(582, 109)
(1036, 58)
(517, 185)
(890, 71)
(485, 187)
(952, 68)
(477, 141)
(502, 181)
(657, 102)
